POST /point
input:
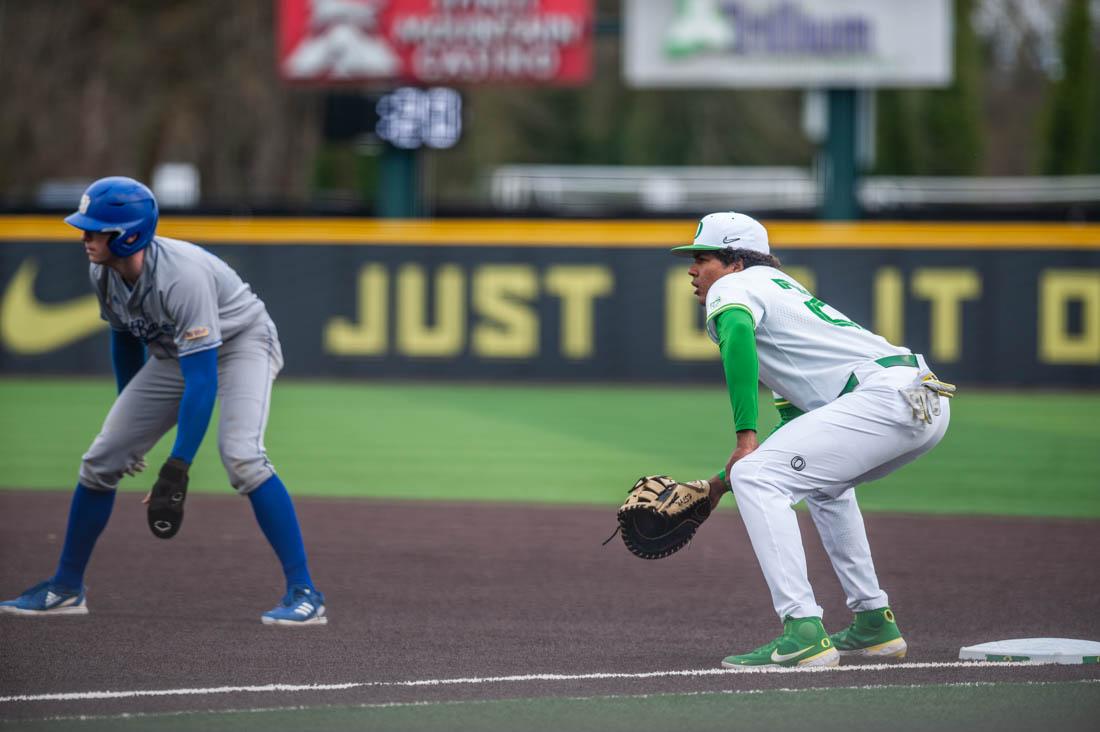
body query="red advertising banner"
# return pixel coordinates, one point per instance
(436, 41)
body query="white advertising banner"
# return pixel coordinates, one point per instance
(787, 43)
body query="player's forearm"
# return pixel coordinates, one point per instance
(737, 343)
(739, 361)
(200, 389)
(127, 357)
(721, 483)
(719, 487)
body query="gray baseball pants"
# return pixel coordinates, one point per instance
(149, 407)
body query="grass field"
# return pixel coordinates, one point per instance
(1005, 454)
(1000, 707)
(1026, 454)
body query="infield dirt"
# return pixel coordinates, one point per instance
(422, 591)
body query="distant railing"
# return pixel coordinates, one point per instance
(891, 191)
(592, 189)
(598, 190)
(589, 190)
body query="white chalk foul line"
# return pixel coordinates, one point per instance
(268, 688)
(607, 697)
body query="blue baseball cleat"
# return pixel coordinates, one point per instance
(46, 598)
(300, 606)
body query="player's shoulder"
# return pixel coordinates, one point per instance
(762, 273)
(748, 279)
(770, 282)
(727, 291)
(723, 291)
(177, 255)
(175, 262)
(175, 245)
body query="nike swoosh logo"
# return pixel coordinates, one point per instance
(29, 327)
(781, 657)
(727, 240)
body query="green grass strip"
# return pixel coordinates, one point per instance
(1002, 707)
(1005, 454)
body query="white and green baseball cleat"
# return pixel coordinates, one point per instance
(872, 634)
(804, 643)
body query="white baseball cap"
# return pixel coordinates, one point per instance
(727, 230)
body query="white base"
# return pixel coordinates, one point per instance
(1034, 650)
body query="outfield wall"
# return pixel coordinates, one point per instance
(995, 304)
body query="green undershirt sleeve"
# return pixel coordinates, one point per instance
(737, 342)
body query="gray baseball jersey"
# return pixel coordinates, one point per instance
(185, 301)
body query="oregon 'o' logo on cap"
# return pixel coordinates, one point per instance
(699, 229)
(798, 463)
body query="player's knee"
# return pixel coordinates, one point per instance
(101, 469)
(753, 477)
(743, 476)
(746, 469)
(98, 478)
(246, 465)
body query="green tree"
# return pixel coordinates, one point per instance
(951, 139)
(894, 139)
(936, 131)
(1070, 128)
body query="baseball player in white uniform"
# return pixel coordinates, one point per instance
(210, 337)
(853, 408)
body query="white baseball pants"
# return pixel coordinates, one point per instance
(820, 457)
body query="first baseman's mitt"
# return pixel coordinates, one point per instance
(660, 515)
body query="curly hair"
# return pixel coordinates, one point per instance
(748, 257)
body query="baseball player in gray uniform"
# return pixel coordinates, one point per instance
(209, 336)
(853, 408)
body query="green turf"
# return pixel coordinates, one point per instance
(1009, 454)
(1065, 707)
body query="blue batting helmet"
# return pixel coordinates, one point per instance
(121, 206)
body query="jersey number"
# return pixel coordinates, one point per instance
(817, 307)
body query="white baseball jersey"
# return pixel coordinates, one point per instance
(807, 349)
(185, 301)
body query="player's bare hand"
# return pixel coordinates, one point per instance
(148, 496)
(135, 467)
(746, 444)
